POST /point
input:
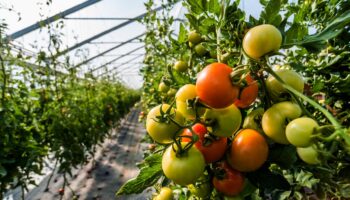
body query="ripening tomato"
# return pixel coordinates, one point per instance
(274, 120)
(165, 194)
(308, 154)
(289, 77)
(249, 151)
(163, 130)
(226, 121)
(261, 40)
(183, 169)
(184, 94)
(300, 130)
(228, 181)
(214, 86)
(248, 94)
(213, 148)
(163, 87)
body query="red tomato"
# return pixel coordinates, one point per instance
(249, 151)
(228, 181)
(248, 94)
(214, 86)
(212, 148)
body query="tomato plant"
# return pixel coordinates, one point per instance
(212, 148)
(269, 80)
(214, 86)
(249, 151)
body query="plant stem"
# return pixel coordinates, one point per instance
(327, 114)
(3, 69)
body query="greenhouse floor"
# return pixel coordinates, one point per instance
(114, 164)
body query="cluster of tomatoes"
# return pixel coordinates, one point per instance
(209, 144)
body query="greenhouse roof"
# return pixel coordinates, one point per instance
(98, 36)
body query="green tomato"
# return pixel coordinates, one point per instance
(200, 50)
(194, 37)
(201, 189)
(180, 66)
(300, 130)
(213, 54)
(163, 87)
(184, 169)
(308, 154)
(171, 92)
(291, 78)
(161, 130)
(274, 118)
(184, 94)
(165, 194)
(226, 120)
(261, 40)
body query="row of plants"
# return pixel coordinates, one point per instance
(48, 114)
(238, 107)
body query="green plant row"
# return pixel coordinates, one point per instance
(45, 113)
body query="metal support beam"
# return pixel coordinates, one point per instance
(131, 54)
(108, 50)
(104, 33)
(107, 18)
(51, 19)
(115, 59)
(116, 42)
(116, 67)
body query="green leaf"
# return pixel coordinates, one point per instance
(3, 171)
(295, 33)
(195, 6)
(317, 41)
(182, 34)
(214, 7)
(305, 179)
(150, 172)
(284, 195)
(345, 190)
(271, 13)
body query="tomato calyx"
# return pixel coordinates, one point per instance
(238, 76)
(182, 151)
(167, 116)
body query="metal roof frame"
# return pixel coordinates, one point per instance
(104, 33)
(108, 50)
(49, 20)
(115, 59)
(116, 67)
